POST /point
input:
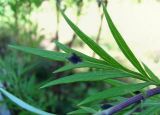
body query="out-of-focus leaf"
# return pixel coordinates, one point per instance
(78, 112)
(57, 56)
(83, 111)
(22, 104)
(89, 109)
(151, 110)
(88, 76)
(115, 91)
(122, 44)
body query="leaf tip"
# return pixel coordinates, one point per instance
(11, 46)
(80, 104)
(41, 87)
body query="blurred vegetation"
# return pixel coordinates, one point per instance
(17, 71)
(16, 21)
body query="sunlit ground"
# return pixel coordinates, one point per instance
(138, 23)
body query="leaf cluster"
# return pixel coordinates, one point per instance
(106, 69)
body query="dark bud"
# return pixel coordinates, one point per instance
(137, 92)
(106, 106)
(99, 3)
(74, 59)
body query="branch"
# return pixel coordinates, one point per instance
(130, 101)
(79, 11)
(99, 33)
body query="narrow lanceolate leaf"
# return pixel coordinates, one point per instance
(81, 55)
(82, 65)
(63, 47)
(88, 76)
(95, 47)
(57, 56)
(150, 73)
(115, 91)
(114, 82)
(23, 104)
(122, 44)
(89, 110)
(90, 59)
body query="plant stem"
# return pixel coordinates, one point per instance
(130, 101)
(58, 3)
(57, 11)
(99, 32)
(79, 10)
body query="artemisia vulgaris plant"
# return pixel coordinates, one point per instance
(122, 98)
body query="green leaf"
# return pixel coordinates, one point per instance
(122, 44)
(88, 76)
(82, 65)
(63, 47)
(83, 56)
(95, 47)
(23, 104)
(115, 91)
(150, 73)
(115, 82)
(83, 111)
(78, 112)
(57, 56)
(89, 110)
(94, 60)
(130, 110)
(151, 110)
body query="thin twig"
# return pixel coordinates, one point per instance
(100, 26)
(58, 3)
(57, 11)
(130, 101)
(80, 5)
(99, 32)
